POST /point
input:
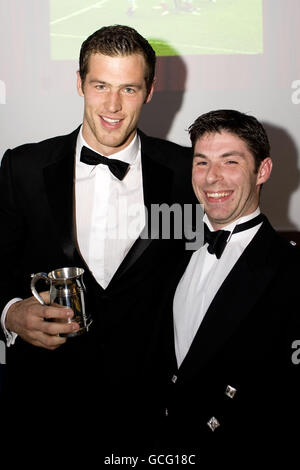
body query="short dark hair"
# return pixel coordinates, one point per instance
(117, 40)
(246, 127)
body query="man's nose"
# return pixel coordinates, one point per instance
(113, 103)
(214, 173)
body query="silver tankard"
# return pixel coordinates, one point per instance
(67, 289)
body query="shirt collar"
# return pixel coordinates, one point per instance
(129, 154)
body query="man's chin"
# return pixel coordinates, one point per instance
(219, 219)
(112, 145)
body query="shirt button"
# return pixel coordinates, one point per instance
(213, 423)
(230, 391)
(174, 379)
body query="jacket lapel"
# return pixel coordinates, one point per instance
(235, 299)
(59, 183)
(157, 184)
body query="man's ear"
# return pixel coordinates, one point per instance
(150, 94)
(264, 171)
(79, 84)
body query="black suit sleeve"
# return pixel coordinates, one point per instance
(12, 233)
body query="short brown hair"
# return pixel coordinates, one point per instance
(117, 40)
(246, 127)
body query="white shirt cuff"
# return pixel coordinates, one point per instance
(9, 335)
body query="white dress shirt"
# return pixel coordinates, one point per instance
(110, 214)
(201, 281)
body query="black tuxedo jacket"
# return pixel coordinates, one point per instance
(37, 234)
(245, 341)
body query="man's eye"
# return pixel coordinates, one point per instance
(100, 87)
(231, 162)
(201, 163)
(129, 91)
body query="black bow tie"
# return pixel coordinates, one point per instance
(117, 167)
(217, 240)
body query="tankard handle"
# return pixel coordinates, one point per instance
(35, 278)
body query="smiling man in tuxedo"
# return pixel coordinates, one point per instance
(232, 386)
(68, 201)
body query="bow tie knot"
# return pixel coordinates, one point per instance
(217, 240)
(117, 167)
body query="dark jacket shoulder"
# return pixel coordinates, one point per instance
(275, 252)
(164, 150)
(43, 152)
(175, 157)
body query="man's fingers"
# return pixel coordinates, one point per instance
(52, 311)
(56, 328)
(48, 342)
(58, 313)
(39, 324)
(57, 320)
